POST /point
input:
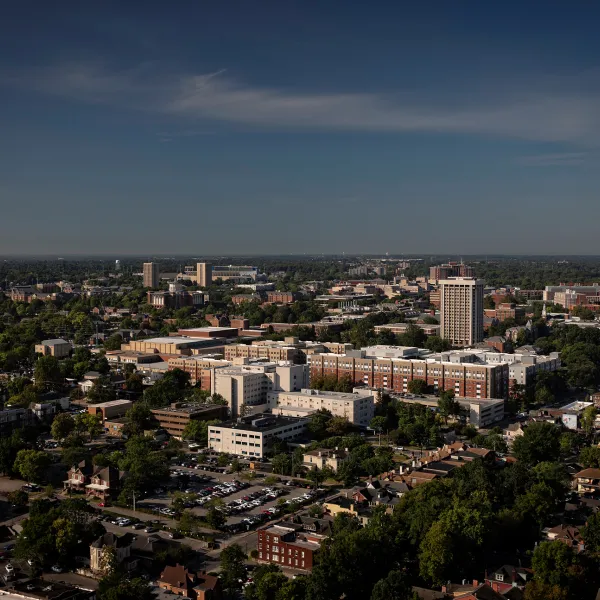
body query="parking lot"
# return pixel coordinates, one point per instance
(246, 504)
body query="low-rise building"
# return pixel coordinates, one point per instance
(121, 545)
(286, 547)
(166, 345)
(111, 409)
(182, 582)
(105, 483)
(325, 457)
(588, 482)
(58, 348)
(209, 332)
(358, 407)
(253, 436)
(175, 418)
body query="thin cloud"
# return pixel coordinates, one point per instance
(548, 110)
(565, 159)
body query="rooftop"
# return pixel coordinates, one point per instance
(207, 329)
(112, 403)
(187, 408)
(170, 340)
(262, 422)
(350, 396)
(53, 342)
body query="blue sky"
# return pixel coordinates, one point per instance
(291, 127)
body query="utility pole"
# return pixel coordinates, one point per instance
(134, 502)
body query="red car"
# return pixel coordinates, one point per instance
(101, 504)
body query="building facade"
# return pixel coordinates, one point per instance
(285, 547)
(151, 275)
(253, 436)
(461, 310)
(204, 272)
(58, 348)
(358, 408)
(175, 418)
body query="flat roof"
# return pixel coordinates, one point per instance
(53, 342)
(275, 422)
(207, 329)
(187, 408)
(308, 393)
(111, 403)
(170, 340)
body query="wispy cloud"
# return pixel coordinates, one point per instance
(565, 110)
(565, 159)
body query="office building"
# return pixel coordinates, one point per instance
(176, 417)
(462, 310)
(204, 274)
(151, 275)
(245, 386)
(357, 407)
(254, 436)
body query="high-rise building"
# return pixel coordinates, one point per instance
(451, 269)
(117, 265)
(203, 274)
(461, 309)
(151, 275)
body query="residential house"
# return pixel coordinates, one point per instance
(324, 457)
(180, 581)
(357, 506)
(512, 432)
(588, 481)
(568, 535)
(121, 545)
(507, 577)
(78, 476)
(105, 483)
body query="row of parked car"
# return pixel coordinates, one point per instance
(251, 501)
(221, 490)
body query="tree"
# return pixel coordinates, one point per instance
(267, 581)
(589, 457)
(119, 586)
(113, 342)
(447, 405)
(233, 568)
(393, 587)
(318, 476)
(101, 391)
(591, 534)
(31, 464)
(9, 447)
(540, 442)
(435, 343)
(378, 424)
(588, 419)
(417, 386)
(139, 419)
(318, 423)
(552, 563)
(282, 464)
(90, 424)
(62, 426)
(542, 591)
(47, 373)
(338, 426)
(215, 518)
(18, 498)
(569, 442)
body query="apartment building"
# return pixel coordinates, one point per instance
(201, 368)
(165, 345)
(451, 269)
(467, 374)
(357, 407)
(271, 352)
(281, 297)
(286, 547)
(57, 347)
(204, 274)
(461, 310)
(248, 384)
(151, 275)
(254, 436)
(175, 418)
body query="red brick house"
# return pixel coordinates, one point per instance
(181, 582)
(286, 547)
(105, 483)
(78, 477)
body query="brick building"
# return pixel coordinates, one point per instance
(281, 297)
(176, 417)
(286, 547)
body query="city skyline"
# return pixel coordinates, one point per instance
(302, 128)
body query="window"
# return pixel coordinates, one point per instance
(499, 577)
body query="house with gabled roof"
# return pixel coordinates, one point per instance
(105, 483)
(182, 582)
(78, 476)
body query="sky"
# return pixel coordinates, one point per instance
(274, 127)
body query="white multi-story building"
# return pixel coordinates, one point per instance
(254, 436)
(357, 407)
(247, 385)
(461, 310)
